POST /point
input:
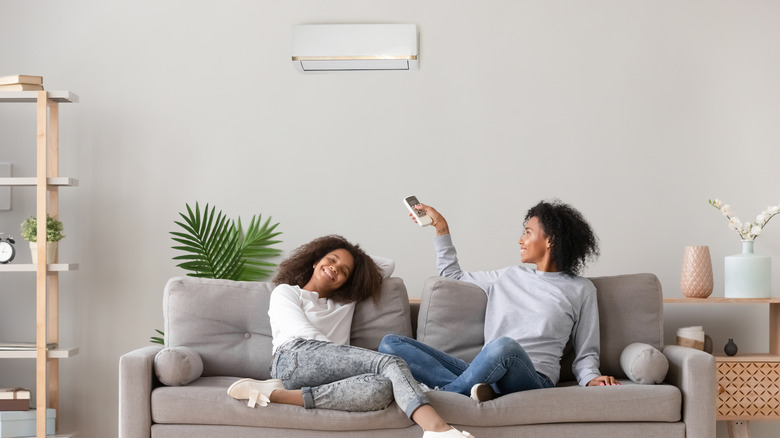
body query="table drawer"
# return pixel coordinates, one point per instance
(748, 390)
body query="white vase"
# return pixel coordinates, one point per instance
(748, 275)
(51, 252)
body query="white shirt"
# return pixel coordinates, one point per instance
(299, 313)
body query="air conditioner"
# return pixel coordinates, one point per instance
(351, 47)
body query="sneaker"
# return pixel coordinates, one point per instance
(256, 391)
(452, 433)
(482, 392)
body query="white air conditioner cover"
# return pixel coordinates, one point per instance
(344, 47)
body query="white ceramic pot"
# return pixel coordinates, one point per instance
(51, 252)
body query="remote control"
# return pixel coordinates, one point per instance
(422, 218)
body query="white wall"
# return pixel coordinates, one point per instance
(636, 112)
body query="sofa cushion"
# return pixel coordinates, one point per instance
(452, 317)
(644, 363)
(205, 401)
(391, 314)
(226, 322)
(176, 366)
(630, 310)
(564, 404)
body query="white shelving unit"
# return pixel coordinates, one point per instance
(47, 183)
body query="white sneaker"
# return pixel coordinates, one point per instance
(452, 433)
(256, 391)
(483, 392)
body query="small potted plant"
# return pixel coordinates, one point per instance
(54, 234)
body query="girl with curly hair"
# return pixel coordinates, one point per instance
(531, 313)
(313, 364)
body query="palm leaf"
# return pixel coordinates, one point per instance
(158, 339)
(217, 247)
(255, 248)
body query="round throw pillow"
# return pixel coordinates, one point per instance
(176, 366)
(644, 363)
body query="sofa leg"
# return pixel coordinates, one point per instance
(739, 429)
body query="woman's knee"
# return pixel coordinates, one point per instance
(504, 346)
(376, 393)
(383, 392)
(390, 343)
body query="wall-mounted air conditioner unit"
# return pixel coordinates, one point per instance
(350, 47)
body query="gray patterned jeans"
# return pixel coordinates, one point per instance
(346, 378)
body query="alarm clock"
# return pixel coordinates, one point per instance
(7, 250)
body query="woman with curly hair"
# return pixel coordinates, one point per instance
(313, 364)
(531, 313)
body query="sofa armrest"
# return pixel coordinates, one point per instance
(136, 380)
(694, 373)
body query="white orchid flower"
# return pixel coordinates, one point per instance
(747, 230)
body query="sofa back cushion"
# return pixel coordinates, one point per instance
(631, 309)
(391, 314)
(227, 323)
(452, 318)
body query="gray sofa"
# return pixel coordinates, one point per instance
(218, 331)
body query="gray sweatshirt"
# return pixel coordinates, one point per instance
(540, 310)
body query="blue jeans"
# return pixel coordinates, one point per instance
(345, 378)
(503, 363)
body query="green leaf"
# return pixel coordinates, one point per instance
(158, 339)
(216, 247)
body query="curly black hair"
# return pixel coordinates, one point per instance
(364, 282)
(572, 241)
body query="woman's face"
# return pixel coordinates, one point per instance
(332, 271)
(534, 245)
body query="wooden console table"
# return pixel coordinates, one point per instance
(748, 384)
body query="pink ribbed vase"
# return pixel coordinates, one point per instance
(696, 278)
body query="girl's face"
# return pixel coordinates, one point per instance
(332, 271)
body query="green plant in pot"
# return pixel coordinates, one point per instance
(217, 247)
(29, 231)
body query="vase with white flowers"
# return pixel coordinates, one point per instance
(747, 275)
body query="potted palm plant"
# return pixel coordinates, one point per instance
(54, 234)
(215, 246)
